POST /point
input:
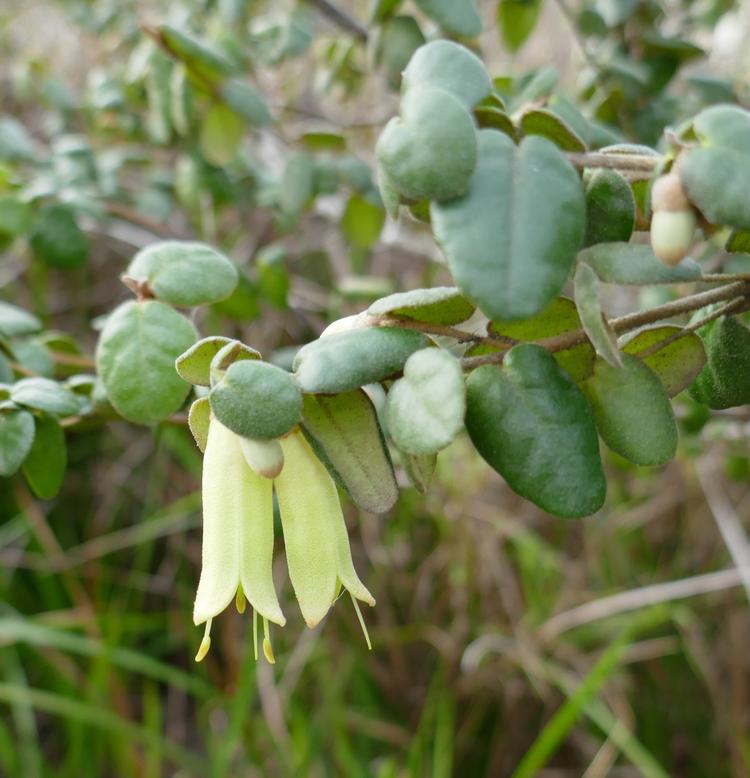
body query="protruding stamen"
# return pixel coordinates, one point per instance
(267, 647)
(255, 634)
(361, 622)
(239, 600)
(205, 643)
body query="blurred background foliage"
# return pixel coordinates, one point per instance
(250, 125)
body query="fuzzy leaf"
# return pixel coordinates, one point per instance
(44, 467)
(438, 305)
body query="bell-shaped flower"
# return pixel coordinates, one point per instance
(315, 536)
(237, 536)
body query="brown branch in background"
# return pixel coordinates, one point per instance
(340, 18)
(643, 163)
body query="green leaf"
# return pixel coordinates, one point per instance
(348, 360)
(459, 17)
(449, 66)
(6, 370)
(196, 363)
(200, 57)
(724, 382)
(15, 321)
(715, 180)
(43, 394)
(632, 411)
(15, 216)
(425, 409)
(388, 193)
(516, 20)
(676, 364)
(362, 222)
(726, 126)
(16, 143)
(559, 317)
(430, 151)
(592, 318)
(199, 418)
(256, 400)
(221, 134)
(184, 273)
(296, 187)
(532, 424)
(135, 359)
(245, 100)
(635, 264)
(44, 466)
(610, 208)
(438, 305)
(494, 119)
(16, 439)
(540, 121)
(419, 469)
(57, 239)
(343, 430)
(511, 241)
(323, 141)
(738, 242)
(400, 37)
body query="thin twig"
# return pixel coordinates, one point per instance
(340, 18)
(643, 163)
(639, 598)
(727, 521)
(499, 341)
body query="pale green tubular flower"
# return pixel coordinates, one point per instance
(317, 543)
(237, 537)
(238, 532)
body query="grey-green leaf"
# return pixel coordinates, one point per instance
(532, 424)
(610, 207)
(635, 264)
(16, 439)
(438, 305)
(135, 358)
(425, 409)
(44, 466)
(589, 309)
(15, 321)
(457, 16)
(443, 64)
(430, 151)
(44, 394)
(632, 411)
(348, 360)
(512, 240)
(419, 469)
(194, 365)
(344, 431)
(257, 400)
(184, 273)
(199, 418)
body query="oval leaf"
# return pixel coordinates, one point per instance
(194, 365)
(447, 65)
(457, 16)
(184, 273)
(44, 394)
(348, 360)
(589, 309)
(135, 358)
(632, 411)
(15, 321)
(430, 151)
(633, 264)
(439, 305)
(511, 241)
(199, 419)
(677, 363)
(344, 431)
(724, 382)
(256, 400)
(44, 467)
(540, 121)
(531, 423)
(610, 208)
(57, 240)
(425, 409)
(16, 439)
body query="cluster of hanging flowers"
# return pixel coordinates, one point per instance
(239, 478)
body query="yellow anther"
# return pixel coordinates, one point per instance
(205, 643)
(239, 600)
(267, 647)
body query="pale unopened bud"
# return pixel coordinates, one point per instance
(667, 194)
(672, 235)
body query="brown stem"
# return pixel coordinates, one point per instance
(442, 329)
(643, 163)
(631, 321)
(340, 18)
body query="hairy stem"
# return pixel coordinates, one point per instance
(642, 163)
(340, 18)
